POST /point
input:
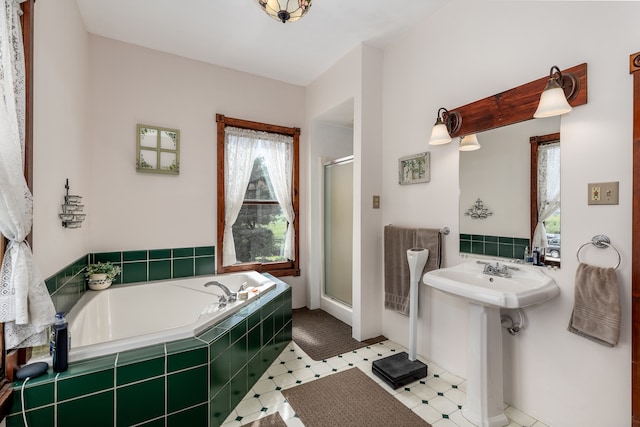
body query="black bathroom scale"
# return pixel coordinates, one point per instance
(397, 370)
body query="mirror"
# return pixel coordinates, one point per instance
(495, 192)
(157, 150)
(501, 111)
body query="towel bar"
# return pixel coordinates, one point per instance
(600, 241)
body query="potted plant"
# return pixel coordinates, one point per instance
(101, 275)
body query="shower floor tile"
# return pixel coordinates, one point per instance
(437, 398)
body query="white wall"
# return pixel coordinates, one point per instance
(470, 50)
(130, 85)
(368, 180)
(356, 76)
(61, 58)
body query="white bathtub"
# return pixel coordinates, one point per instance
(125, 317)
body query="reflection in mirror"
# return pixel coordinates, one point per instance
(545, 195)
(499, 175)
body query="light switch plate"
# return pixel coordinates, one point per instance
(603, 193)
(376, 202)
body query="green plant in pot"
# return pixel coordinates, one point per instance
(101, 275)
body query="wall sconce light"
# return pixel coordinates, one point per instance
(560, 89)
(447, 122)
(469, 143)
(285, 10)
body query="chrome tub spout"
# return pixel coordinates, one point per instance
(231, 296)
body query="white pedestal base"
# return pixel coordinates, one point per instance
(485, 401)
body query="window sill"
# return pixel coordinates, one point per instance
(282, 269)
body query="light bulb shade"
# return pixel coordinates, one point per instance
(439, 134)
(553, 101)
(469, 143)
(285, 10)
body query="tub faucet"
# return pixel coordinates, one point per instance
(231, 296)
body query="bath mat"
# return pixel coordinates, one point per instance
(273, 420)
(349, 398)
(322, 336)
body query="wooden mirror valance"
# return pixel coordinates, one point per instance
(514, 105)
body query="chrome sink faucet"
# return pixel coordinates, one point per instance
(497, 270)
(231, 296)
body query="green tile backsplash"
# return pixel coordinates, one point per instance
(69, 284)
(507, 247)
(160, 264)
(195, 381)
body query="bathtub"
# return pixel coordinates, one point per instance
(125, 317)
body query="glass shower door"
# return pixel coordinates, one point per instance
(338, 229)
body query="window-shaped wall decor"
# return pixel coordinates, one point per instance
(158, 150)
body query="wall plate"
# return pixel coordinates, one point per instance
(603, 193)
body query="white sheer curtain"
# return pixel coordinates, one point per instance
(25, 305)
(242, 147)
(278, 159)
(548, 189)
(239, 155)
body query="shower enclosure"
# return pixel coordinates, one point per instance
(338, 229)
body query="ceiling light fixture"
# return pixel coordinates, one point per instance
(560, 89)
(469, 143)
(285, 10)
(446, 123)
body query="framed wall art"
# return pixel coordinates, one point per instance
(157, 150)
(414, 169)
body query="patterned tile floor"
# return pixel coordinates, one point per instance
(436, 398)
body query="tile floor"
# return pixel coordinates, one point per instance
(436, 398)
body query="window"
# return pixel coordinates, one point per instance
(258, 201)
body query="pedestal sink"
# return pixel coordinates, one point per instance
(506, 286)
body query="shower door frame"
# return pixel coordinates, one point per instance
(323, 294)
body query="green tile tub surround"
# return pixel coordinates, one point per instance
(506, 247)
(160, 264)
(189, 417)
(69, 284)
(140, 402)
(39, 392)
(44, 416)
(96, 407)
(138, 364)
(194, 381)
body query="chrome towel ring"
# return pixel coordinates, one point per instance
(600, 241)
